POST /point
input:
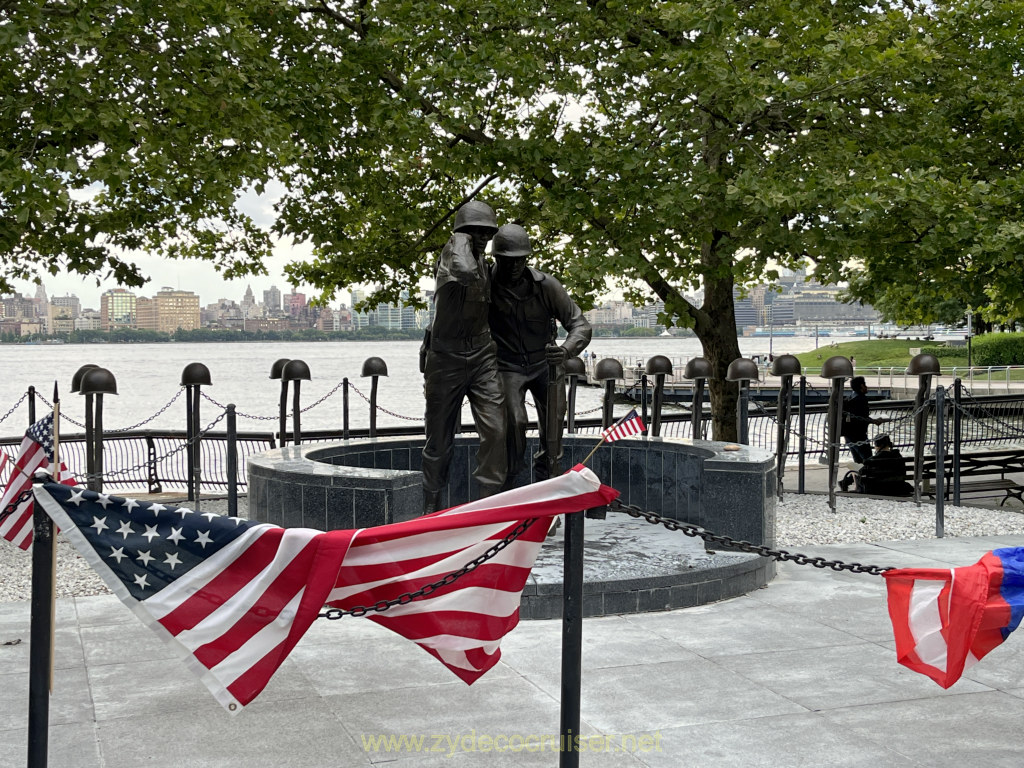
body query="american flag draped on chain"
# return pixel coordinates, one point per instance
(233, 597)
(36, 453)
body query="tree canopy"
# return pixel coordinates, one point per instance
(665, 145)
(130, 126)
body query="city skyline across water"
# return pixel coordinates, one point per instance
(149, 375)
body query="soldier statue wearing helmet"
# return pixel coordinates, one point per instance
(525, 305)
(458, 359)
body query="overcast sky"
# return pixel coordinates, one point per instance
(191, 275)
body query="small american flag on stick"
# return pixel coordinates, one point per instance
(36, 452)
(630, 424)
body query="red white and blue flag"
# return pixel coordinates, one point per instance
(36, 453)
(233, 597)
(945, 620)
(628, 425)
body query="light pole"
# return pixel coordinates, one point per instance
(970, 322)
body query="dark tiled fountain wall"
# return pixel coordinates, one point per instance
(361, 483)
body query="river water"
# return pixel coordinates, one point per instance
(149, 375)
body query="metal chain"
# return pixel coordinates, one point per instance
(339, 385)
(385, 410)
(825, 444)
(14, 407)
(1013, 431)
(239, 413)
(429, 589)
(745, 546)
(179, 449)
(68, 419)
(11, 508)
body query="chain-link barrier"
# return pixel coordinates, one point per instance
(781, 555)
(429, 589)
(908, 419)
(14, 407)
(382, 409)
(128, 470)
(11, 508)
(142, 423)
(1012, 431)
(240, 414)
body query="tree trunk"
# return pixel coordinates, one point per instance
(716, 329)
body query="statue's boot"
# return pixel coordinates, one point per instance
(431, 501)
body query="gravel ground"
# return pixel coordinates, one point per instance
(800, 520)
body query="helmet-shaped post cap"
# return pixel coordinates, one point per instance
(837, 367)
(924, 364)
(608, 368)
(741, 369)
(697, 368)
(511, 242)
(574, 367)
(659, 364)
(475, 213)
(786, 365)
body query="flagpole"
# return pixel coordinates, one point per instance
(40, 663)
(589, 455)
(55, 475)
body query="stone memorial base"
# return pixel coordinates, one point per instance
(630, 565)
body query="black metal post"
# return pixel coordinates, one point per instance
(373, 405)
(656, 404)
(957, 427)
(643, 398)
(608, 405)
(570, 411)
(782, 436)
(31, 406)
(40, 639)
(920, 432)
(572, 641)
(697, 408)
(835, 416)
(297, 415)
(344, 409)
(98, 442)
(197, 451)
(189, 445)
(283, 410)
(232, 460)
(940, 461)
(742, 415)
(90, 445)
(802, 426)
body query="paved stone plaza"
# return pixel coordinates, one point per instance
(799, 673)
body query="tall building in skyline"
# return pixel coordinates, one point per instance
(272, 300)
(168, 311)
(69, 302)
(117, 309)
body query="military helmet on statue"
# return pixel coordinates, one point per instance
(476, 213)
(511, 242)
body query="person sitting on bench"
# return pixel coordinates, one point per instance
(884, 473)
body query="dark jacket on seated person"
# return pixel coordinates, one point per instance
(885, 473)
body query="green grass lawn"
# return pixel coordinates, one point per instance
(888, 353)
(874, 353)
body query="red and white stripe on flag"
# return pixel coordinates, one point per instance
(16, 527)
(628, 425)
(234, 615)
(461, 624)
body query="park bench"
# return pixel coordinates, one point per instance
(981, 474)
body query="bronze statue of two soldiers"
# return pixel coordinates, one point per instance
(493, 339)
